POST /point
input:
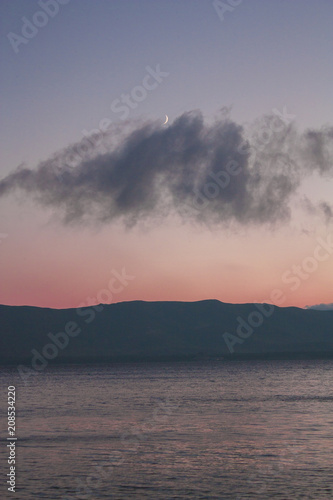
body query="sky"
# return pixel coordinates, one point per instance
(231, 199)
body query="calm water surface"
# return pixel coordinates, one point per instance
(215, 430)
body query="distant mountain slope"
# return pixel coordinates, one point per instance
(161, 330)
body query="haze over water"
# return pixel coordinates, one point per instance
(216, 430)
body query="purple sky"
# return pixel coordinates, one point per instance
(118, 65)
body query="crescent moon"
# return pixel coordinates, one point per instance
(166, 120)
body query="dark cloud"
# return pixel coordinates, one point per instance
(318, 149)
(212, 173)
(323, 209)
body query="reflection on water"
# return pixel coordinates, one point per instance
(220, 430)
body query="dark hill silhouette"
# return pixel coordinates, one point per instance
(133, 331)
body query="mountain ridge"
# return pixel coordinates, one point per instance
(162, 330)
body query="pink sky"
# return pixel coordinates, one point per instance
(44, 263)
(60, 85)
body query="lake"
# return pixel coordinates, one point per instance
(201, 430)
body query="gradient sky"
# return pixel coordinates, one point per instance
(263, 55)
